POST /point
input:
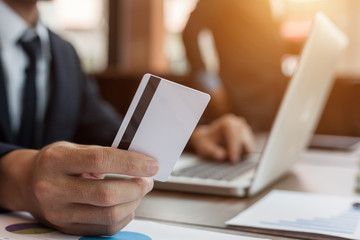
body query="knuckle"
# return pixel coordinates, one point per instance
(132, 216)
(106, 197)
(229, 117)
(229, 120)
(235, 121)
(112, 230)
(42, 190)
(242, 121)
(52, 217)
(60, 146)
(96, 157)
(142, 187)
(110, 216)
(48, 156)
(52, 153)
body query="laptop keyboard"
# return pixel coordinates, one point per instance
(214, 170)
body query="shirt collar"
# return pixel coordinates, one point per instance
(12, 27)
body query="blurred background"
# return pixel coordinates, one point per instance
(120, 40)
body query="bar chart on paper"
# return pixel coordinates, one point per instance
(344, 223)
(303, 212)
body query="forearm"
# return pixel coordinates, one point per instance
(15, 168)
(190, 37)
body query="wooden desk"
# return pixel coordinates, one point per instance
(315, 172)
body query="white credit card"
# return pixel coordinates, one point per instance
(160, 121)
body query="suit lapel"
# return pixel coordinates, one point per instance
(64, 104)
(63, 107)
(5, 127)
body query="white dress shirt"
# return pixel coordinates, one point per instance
(14, 60)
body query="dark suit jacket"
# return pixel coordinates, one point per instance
(75, 110)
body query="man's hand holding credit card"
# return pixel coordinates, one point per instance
(160, 121)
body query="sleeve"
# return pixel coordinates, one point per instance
(99, 122)
(202, 18)
(6, 148)
(196, 23)
(96, 121)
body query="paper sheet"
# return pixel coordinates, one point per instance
(303, 212)
(21, 226)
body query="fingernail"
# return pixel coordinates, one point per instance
(152, 167)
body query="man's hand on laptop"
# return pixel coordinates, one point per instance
(228, 137)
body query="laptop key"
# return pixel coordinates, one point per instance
(217, 171)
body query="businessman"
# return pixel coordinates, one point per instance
(47, 105)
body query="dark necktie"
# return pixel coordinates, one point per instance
(27, 130)
(5, 132)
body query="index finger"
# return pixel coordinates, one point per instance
(239, 137)
(248, 138)
(77, 159)
(233, 143)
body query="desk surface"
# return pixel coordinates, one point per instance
(326, 172)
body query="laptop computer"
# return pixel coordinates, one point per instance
(292, 129)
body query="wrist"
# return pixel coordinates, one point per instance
(15, 172)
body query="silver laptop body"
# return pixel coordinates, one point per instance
(295, 122)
